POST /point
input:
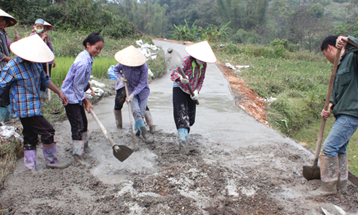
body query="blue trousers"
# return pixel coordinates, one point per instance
(138, 108)
(338, 138)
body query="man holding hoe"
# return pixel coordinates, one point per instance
(344, 104)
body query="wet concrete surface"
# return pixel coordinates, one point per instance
(232, 165)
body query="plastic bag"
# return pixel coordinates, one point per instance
(111, 74)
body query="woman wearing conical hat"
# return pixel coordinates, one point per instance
(24, 75)
(74, 87)
(184, 104)
(5, 21)
(41, 27)
(133, 65)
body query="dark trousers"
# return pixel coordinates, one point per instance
(34, 126)
(121, 98)
(184, 109)
(78, 120)
(49, 69)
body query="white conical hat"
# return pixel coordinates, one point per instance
(12, 19)
(33, 49)
(47, 24)
(130, 56)
(201, 51)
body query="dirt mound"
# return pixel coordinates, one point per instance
(245, 97)
(161, 179)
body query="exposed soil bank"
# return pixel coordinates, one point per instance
(233, 165)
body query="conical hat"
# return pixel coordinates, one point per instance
(48, 25)
(130, 56)
(201, 51)
(33, 49)
(12, 21)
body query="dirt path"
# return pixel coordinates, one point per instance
(233, 165)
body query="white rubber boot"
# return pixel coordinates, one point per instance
(329, 176)
(85, 136)
(343, 172)
(150, 122)
(78, 148)
(118, 117)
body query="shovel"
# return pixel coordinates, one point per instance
(175, 61)
(121, 152)
(314, 172)
(130, 116)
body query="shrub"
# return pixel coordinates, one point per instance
(231, 49)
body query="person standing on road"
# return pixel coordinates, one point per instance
(121, 98)
(24, 75)
(134, 69)
(343, 103)
(184, 104)
(41, 28)
(74, 87)
(5, 21)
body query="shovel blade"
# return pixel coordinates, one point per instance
(173, 60)
(311, 172)
(123, 153)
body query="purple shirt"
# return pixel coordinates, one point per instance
(137, 79)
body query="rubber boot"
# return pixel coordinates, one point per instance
(118, 117)
(329, 176)
(85, 137)
(78, 148)
(136, 129)
(149, 119)
(343, 172)
(50, 154)
(143, 131)
(183, 136)
(30, 159)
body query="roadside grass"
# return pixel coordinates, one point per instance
(10, 151)
(299, 82)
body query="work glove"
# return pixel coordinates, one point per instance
(130, 98)
(195, 96)
(183, 80)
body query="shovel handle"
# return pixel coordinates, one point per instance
(130, 115)
(326, 105)
(188, 85)
(102, 127)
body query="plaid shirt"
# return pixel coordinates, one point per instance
(196, 78)
(77, 78)
(137, 79)
(24, 79)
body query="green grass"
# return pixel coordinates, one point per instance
(10, 151)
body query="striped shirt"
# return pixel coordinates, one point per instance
(137, 79)
(196, 78)
(77, 78)
(24, 79)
